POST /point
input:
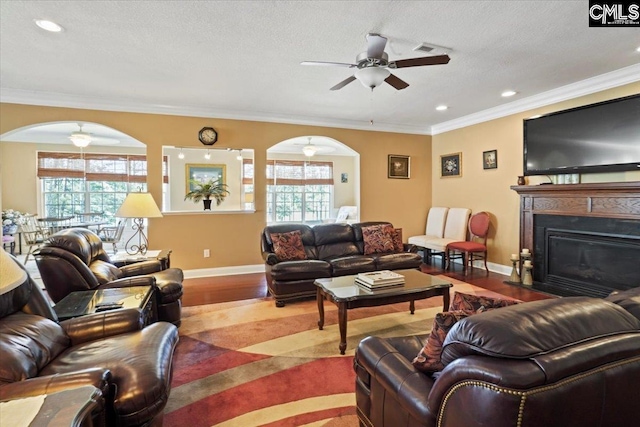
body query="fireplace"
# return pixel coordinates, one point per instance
(576, 255)
(585, 238)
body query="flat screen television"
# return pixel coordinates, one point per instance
(602, 137)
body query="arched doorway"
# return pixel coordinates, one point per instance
(309, 178)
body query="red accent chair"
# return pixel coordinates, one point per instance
(476, 246)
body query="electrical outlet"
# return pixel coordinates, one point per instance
(207, 253)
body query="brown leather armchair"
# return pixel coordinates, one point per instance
(131, 366)
(568, 362)
(74, 260)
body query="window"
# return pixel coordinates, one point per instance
(74, 183)
(299, 191)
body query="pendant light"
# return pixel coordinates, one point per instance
(309, 150)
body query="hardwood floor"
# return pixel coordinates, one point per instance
(209, 290)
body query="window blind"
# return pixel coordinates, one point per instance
(295, 172)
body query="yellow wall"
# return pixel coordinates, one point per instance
(488, 190)
(232, 238)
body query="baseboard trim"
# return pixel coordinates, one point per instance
(259, 268)
(223, 271)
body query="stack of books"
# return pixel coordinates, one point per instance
(379, 279)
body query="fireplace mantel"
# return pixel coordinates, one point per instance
(607, 200)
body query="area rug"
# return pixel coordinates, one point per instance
(248, 363)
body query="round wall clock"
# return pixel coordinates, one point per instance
(208, 136)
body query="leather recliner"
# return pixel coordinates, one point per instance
(568, 362)
(131, 366)
(74, 260)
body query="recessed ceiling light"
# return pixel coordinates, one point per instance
(441, 107)
(508, 93)
(48, 25)
(638, 49)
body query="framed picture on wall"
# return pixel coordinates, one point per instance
(451, 165)
(398, 166)
(490, 159)
(204, 173)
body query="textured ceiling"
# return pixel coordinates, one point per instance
(241, 59)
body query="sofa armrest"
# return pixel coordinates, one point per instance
(126, 282)
(401, 381)
(102, 325)
(409, 247)
(96, 377)
(140, 268)
(270, 258)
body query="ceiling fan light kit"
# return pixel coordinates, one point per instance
(373, 65)
(79, 138)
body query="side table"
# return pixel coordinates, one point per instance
(73, 407)
(82, 303)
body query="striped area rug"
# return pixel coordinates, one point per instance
(248, 363)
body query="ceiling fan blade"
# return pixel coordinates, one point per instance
(343, 83)
(376, 44)
(328, 64)
(418, 62)
(396, 82)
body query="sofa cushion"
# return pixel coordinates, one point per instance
(27, 344)
(354, 264)
(537, 328)
(397, 261)
(472, 304)
(377, 239)
(288, 246)
(300, 270)
(428, 360)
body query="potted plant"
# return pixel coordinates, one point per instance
(205, 190)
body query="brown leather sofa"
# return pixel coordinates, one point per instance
(568, 362)
(332, 250)
(131, 366)
(74, 260)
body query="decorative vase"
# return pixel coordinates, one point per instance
(521, 180)
(9, 229)
(207, 204)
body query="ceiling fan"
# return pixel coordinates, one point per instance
(373, 65)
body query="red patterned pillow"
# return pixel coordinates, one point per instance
(377, 239)
(428, 360)
(397, 239)
(472, 304)
(288, 246)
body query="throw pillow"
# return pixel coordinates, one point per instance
(377, 239)
(288, 246)
(472, 304)
(397, 239)
(428, 360)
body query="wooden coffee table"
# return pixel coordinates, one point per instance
(344, 292)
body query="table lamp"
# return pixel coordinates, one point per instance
(138, 206)
(11, 275)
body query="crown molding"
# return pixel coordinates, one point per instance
(52, 99)
(574, 90)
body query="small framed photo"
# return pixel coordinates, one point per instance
(344, 177)
(490, 159)
(451, 165)
(398, 166)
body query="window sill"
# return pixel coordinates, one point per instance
(203, 212)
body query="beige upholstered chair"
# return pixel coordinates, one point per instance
(455, 230)
(436, 220)
(346, 214)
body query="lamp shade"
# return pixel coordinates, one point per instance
(11, 275)
(372, 76)
(139, 205)
(309, 150)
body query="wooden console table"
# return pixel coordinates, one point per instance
(607, 200)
